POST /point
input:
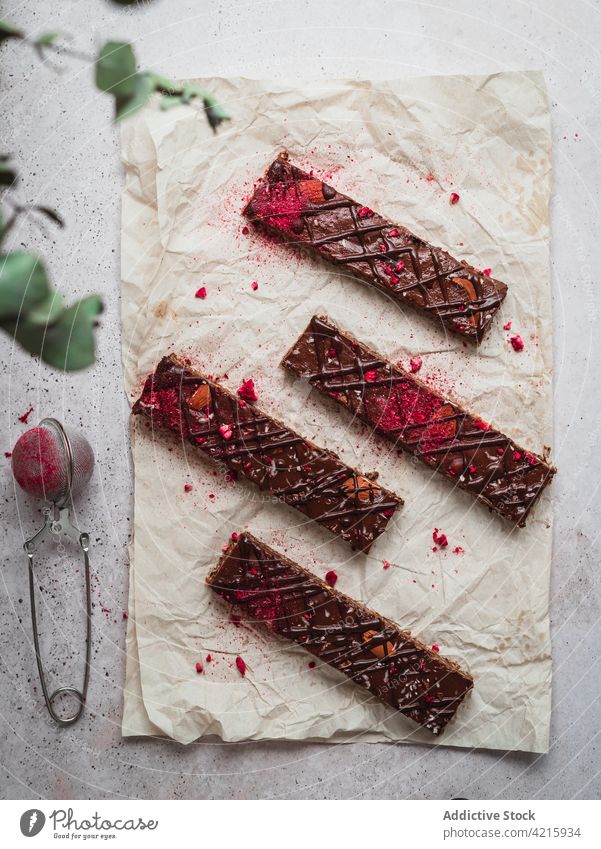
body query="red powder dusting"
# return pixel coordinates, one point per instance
(331, 577)
(454, 198)
(201, 293)
(280, 206)
(435, 648)
(487, 272)
(254, 285)
(36, 463)
(247, 390)
(198, 667)
(25, 417)
(415, 363)
(517, 343)
(440, 539)
(188, 487)
(241, 666)
(507, 326)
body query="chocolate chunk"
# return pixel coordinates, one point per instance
(455, 443)
(384, 255)
(266, 452)
(372, 651)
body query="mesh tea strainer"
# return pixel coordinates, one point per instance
(53, 462)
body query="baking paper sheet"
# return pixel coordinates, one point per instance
(400, 147)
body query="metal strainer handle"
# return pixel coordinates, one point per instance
(58, 522)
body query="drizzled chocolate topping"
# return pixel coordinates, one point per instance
(370, 650)
(264, 451)
(304, 210)
(409, 414)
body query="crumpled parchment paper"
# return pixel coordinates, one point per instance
(400, 147)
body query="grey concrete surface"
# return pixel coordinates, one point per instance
(58, 128)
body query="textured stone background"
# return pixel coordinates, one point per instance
(58, 128)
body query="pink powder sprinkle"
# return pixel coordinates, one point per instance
(241, 666)
(331, 577)
(201, 293)
(454, 198)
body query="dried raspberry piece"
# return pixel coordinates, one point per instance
(440, 539)
(399, 266)
(254, 285)
(517, 343)
(415, 363)
(241, 666)
(245, 231)
(235, 536)
(500, 451)
(386, 564)
(517, 455)
(331, 352)
(125, 615)
(226, 432)
(454, 198)
(209, 658)
(247, 390)
(8, 454)
(487, 272)
(312, 664)
(481, 425)
(188, 487)
(331, 577)
(198, 667)
(201, 293)
(394, 233)
(458, 550)
(507, 326)
(365, 212)
(25, 417)
(472, 470)
(370, 376)
(435, 648)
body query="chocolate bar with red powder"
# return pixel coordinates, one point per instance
(266, 452)
(306, 211)
(468, 451)
(370, 650)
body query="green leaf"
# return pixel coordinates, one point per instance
(67, 343)
(9, 31)
(215, 113)
(23, 284)
(8, 174)
(143, 88)
(46, 39)
(47, 310)
(116, 69)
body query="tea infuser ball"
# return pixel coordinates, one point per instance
(53, 462)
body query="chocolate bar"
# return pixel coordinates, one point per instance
(369, 649)
(266, 452)
(457, 444)
(302, 209)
